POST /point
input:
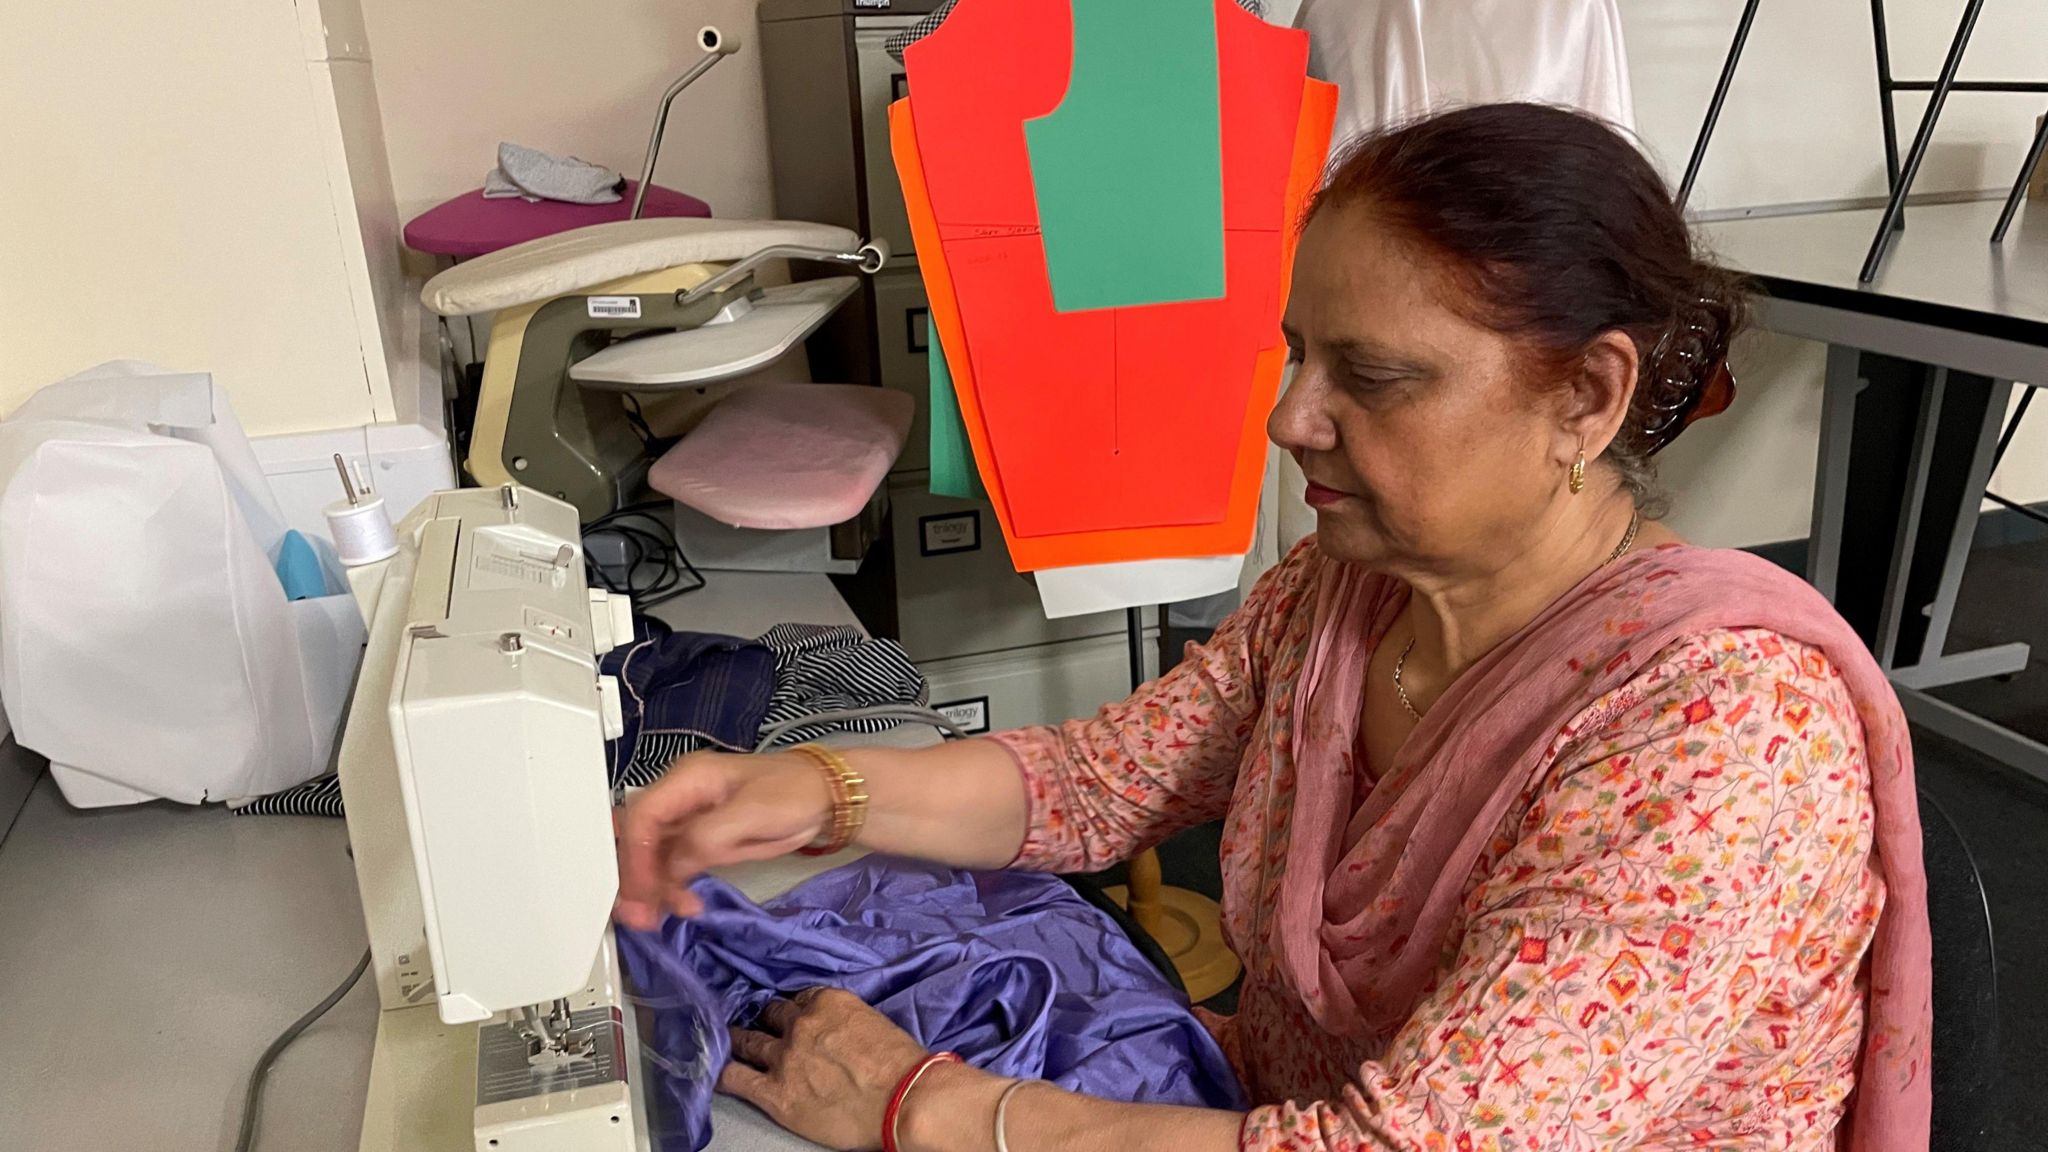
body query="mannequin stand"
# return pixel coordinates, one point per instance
(1187, 925)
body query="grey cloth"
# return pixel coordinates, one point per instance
(895, 45)
(537, 175)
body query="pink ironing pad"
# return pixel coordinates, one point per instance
(783, 456)
(471, 225)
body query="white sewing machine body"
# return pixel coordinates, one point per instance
(480, 820)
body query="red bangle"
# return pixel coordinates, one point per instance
(895, 1110)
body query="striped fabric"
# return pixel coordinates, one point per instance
(821, 670)
(818, 670)
(895, 45)
(657, 750)
(321, 797)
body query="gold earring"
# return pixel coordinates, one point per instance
(1576, 479)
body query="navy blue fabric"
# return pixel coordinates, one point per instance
(1012, 970)
(682, 691)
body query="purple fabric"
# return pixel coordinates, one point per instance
(471, 225)
(1012, 970)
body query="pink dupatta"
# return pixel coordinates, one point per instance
(1365, 905)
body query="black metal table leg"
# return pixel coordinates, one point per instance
(1887, 108)
(1699, 147)
(2012, 426)
(2019, 186)
(1921, 139)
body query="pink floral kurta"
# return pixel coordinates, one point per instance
(1659, 949)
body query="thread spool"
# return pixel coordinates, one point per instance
(362, 532)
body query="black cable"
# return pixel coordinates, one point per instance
(648, 539)
(638, 419)
(252, 1103)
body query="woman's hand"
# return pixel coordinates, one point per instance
(711, 810)
(824, 1066)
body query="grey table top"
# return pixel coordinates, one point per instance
(149, 953)
(1942, 271)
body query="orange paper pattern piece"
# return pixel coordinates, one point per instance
(1118, 434)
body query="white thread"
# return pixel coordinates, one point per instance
(362, 533)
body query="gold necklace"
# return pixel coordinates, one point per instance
(1635, 524)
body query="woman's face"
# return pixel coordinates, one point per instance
(1426, 449)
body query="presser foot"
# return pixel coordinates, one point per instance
(569, 1088)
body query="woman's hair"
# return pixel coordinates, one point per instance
(1553, 229)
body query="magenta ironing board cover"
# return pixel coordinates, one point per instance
(473, 225)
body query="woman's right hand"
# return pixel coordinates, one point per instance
(708, 811)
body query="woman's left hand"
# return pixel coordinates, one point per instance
(822, 1065)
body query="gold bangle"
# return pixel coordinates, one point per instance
(849, 801)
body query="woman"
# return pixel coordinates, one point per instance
(1544, 830)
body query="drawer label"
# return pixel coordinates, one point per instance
(949, 533)
(970, 715)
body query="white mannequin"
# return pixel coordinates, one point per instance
(1393, 60)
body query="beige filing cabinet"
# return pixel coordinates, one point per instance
(962, 612)
(957, 593)
(1041, 685)
(902, 343)
(829, 80)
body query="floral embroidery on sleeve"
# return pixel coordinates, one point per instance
(1102, 790)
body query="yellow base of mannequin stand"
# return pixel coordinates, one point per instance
(1187, 925)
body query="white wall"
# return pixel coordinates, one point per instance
(166, 195)
(1801, 124)
(455, 77)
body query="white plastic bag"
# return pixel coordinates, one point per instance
(146, 645)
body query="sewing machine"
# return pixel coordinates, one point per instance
(480, 821)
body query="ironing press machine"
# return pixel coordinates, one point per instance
(480, 820)
(633, 306)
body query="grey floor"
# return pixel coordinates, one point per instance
(2004, 816)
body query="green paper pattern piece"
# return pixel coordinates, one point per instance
(953, 471)
(1128, 170)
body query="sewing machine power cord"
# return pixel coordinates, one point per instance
(252, 1104)
(655, 570)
